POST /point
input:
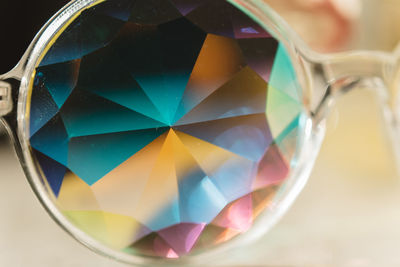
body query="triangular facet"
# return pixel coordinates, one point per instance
(163, 72)
(214, 235)
(245, 28)
(281, 110)
(262, 199)
(238, 215)
(53, 171)
(288, 140)
(187, 6)
(121, 11)
(121, 189)
(247, 136)
(93, 157)
(181, 44)
(272, 168)
(153, 12)
(232, 174)
(40, 116)
(214, 17)
(88, 114)
(283, 75)
(52, 140)
(153, 245)
(104, 74)
(86, 34)
(182, 237)
(60, 79)
(199, 199)
(260, 55)
(123, 230)
(76, 195)
(161, 191)
(90, 222)
(244, 94)
(219, 60)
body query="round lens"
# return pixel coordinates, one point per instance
(164, 127)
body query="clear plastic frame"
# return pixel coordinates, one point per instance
(322, 78)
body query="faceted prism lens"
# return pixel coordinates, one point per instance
(164, 127)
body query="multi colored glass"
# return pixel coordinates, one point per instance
(164, 127)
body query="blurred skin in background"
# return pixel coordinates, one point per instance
(341, 25)
(333, 22)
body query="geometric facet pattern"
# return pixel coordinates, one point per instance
(164, 127)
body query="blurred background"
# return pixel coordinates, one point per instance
(348, 214)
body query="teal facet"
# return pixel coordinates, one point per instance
(284, 75)
(52, 140)
(43, 109)
(91, 115)
(60, 80)
(92, 157)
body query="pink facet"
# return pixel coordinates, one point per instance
(238, 215)
(182, 237)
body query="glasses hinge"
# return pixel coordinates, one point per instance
(5, 98)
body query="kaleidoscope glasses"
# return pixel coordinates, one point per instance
(165, 131)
